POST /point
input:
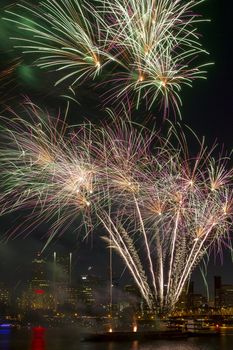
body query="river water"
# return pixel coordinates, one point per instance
(69, 339)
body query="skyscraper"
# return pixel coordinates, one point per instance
(217, 291)
(62, 281)
(37, 295)
(62, 268)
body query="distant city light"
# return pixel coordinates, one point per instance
(39, 291)
(5, 325)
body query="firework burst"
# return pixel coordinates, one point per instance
(171, 209)
(46, 170)
(141, 50)
(65, 37)
(156, 43)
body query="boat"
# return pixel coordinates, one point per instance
(192, 328)
(131, 336)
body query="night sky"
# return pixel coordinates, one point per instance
(207, 109)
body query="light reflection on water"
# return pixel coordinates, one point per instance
(38, 339)
(69, 339)
(4, 339)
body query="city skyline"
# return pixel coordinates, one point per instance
(51, 287)
(81, 265)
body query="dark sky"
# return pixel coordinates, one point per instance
(207, 109)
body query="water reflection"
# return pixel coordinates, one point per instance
(135, 345)
(190, 344)
(38, 339)
(171, 345)
(5, 338)
(154, 345)
(70, 339)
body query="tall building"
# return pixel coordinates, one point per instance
(223, 293)
(39, 273)
(93, 294)
(217, 291)
(86, 290)
(37, 295)
(4, 296)
(62, 268)
(227, 295)
(190, 295)
(65, 295)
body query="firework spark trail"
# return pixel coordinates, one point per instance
(140, 50)
(125, 247)
(45, 170)
(157, 42)
(72, 43)
(161, 207)
(173, 207)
